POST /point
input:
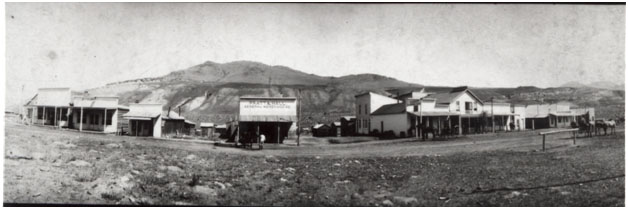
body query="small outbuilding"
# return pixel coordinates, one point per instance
(335, 129)
(207, 130)
(320, 130)
(347, 126)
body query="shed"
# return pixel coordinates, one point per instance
(320, 130)
(347, 126)
(207, 129)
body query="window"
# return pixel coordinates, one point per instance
(94, 119)
(416, 108)
(457, 105)
(359, 109)
(467, 106)
(359, 123)
(109, 117)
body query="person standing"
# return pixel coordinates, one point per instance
(262, 139)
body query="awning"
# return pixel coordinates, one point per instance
(432, 114)
(140, 115)
(563, 114)
(138, 118)
(268, 118)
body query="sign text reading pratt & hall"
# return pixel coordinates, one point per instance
(270, 104)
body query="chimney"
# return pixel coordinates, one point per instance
(168, 112)
(179, 110)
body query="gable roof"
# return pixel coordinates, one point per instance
(453, 95)
(171, 116)
(390, 109)
(205, 125)
(348, 118)
(317, 126)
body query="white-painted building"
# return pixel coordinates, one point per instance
(365, 104)
(58, 107)
(458, 111)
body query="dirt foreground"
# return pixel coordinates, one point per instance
(49, 166)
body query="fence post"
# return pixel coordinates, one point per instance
(574, 137)
(544, 142)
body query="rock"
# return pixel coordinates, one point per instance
(405, 200)
(221, 185)
(182, 203)
(228, 184)
(204, 190)
(173, 168)
(317, 157)
(387, 203)
(356, 196)
(44, 169)
(283, 180)
(190, 157)
(382, 194)
(337, 164)
(565, 193)
(159, 175)
(414, 177)
(135, 172)
(79, 163)
(512, 194)
(37, 195)
(443, 198)
(113, 146)
(69, 146)
(92, 151)
(356, 161)
(342, 182)
(271, 158)
(290, 169)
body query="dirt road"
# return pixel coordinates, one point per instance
(43, 165)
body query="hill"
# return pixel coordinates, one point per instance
(210, 91)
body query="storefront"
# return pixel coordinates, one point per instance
(270, 116)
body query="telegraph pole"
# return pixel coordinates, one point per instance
(492, 115)
(299, 117)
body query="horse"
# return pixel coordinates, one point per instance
(586, 127)
(610, 124)
(599, 126)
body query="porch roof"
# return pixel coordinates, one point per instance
(140, 115)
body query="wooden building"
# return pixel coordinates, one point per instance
(270, 116)
(59, 107)
(347, 126)
(321, 130)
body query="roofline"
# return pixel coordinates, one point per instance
(358, 95)
(271, 98)
(55, 88)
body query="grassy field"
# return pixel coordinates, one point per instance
(52, 166)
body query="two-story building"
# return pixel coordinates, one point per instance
(366, 104)
(458, 111)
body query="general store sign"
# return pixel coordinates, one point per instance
(275, 107)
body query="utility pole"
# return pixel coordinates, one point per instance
(299, 117)
(421, 116)
(492, 115)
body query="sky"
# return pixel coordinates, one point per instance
(86, 45)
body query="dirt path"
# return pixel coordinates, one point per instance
(515, 141)
(45, 165)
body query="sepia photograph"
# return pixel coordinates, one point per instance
(314, 104)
